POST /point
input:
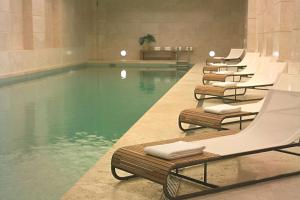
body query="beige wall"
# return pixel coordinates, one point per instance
(37, 34)
(203, 24)
(274, 26)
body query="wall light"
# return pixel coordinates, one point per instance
(123, 53)
(212, 53)
(123, 74)
(276, 54)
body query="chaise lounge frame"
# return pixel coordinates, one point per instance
(132, 160)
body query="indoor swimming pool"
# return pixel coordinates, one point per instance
(53, 129)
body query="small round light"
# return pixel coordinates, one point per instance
(212, 53)
(123, 74)
(276, 54)
(123, 53)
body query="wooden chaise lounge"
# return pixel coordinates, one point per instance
(235, 55)
(265, 134)
(202, 119)
(248, 72)
(265, 76)
(133, 160)
(215, 67)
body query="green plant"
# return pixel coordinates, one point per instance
(146, 39)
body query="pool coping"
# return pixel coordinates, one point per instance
(159, 122)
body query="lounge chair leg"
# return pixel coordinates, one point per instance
(188, 129)
(231, 100)
(180, 125)
(234, 94)
(195, 95)
(245, 90)
(205, 82)
(205, 173)
(240, 122)
(114, 173)
(240, 79)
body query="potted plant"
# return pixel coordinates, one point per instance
(146, 40)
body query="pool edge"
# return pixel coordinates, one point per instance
(155, 124)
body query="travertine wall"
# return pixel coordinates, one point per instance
(38, 34)
(203, 24)
(274, 29)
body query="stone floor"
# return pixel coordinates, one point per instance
(159, 123)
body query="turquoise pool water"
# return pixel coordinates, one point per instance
(53, 129)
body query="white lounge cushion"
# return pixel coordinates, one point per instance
(225, 84)
(174, 150)
(225, 72)
(222, 109)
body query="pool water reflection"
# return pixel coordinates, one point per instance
(52, 130)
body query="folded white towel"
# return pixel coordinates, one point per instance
(174, 150)
(225, 72)
(167, 48)
(156, 48)
(218, 64)
(222, 109)
(225, 84)
(218, 57)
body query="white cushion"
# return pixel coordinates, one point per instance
(225, 84)
(222, 109)
(174, 150)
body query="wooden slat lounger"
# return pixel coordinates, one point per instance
(262, 79)
(222, 77)
(265, 134)
(253, 63)
(233, 56)
(219, 66)
(247, 60)
(219, 92)
(202, 119)
(133, 160)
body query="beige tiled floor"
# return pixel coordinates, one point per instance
(159, 123)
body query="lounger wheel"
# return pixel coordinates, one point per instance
(114, 173)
